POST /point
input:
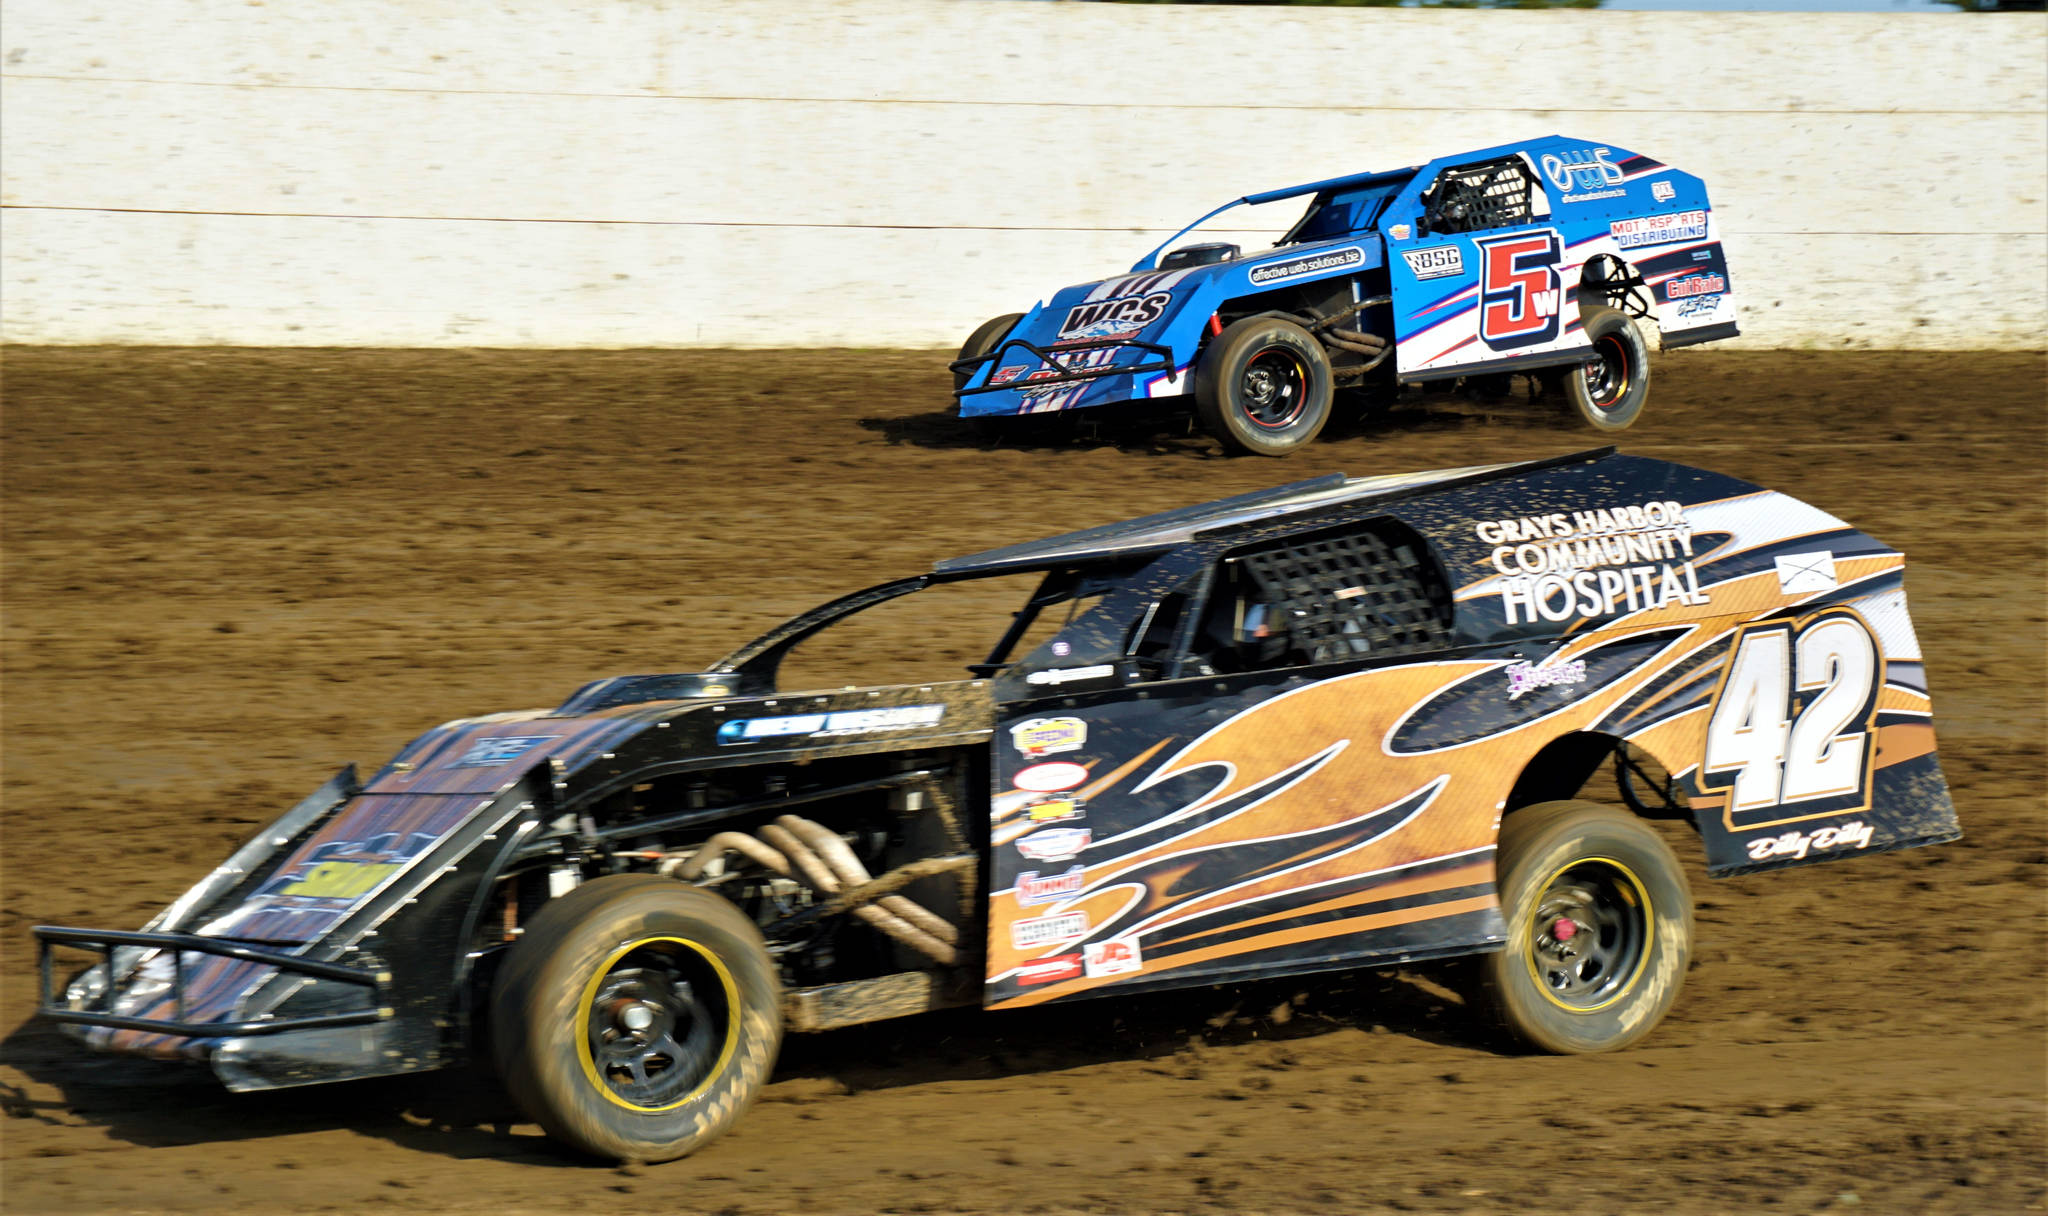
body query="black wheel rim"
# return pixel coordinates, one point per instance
(1590, 936)
(657, 1023)
(1273, 391)
(1607, 374)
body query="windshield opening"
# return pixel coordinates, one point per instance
(946, 631)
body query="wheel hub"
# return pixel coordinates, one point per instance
(652, 1039)
(1590, 935)
(1607, 373)
(1274, 388)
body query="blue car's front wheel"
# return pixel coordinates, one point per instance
(1264, 387)
(982, 341)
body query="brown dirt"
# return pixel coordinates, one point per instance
(227, 572)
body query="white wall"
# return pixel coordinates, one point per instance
(890, 172)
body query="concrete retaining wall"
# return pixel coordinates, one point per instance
(890, 172)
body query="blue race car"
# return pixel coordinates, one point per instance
(1552, 256)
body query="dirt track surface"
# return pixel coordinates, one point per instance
(229, 572)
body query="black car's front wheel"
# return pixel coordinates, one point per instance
(1599, 928)
(1264, 386)
(637, 1017)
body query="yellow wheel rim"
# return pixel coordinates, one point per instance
(1620, 902)
(726, 1049)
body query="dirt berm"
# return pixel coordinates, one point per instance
(228, 572)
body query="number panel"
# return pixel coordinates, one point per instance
(1520, 292)
(1748, 730)
(1837, 657)
(1792, 729)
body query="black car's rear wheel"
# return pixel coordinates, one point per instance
(1264, 386)
(637, 1017)
(1599, 928)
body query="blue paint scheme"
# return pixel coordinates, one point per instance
(1582, 189)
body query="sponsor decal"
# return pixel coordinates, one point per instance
(831, 725)
(1695, 285)
(1663, 191)
(1793, 731)
(1702, 255)
(1055, 844)
(347, 869)
(1582, 169)
(1699, 306)
(1526, 677)
(1117, 956)
(1519, 289)
(1062, 649)
(1050, 970)
(1049, 736)
(1069, 675)
(1659, 229)
(1113, 318)
(1801, 573)
(1055, 808)
(1007, 373)
(1058, 395)
(1585, 175)
(1320, 263)
(1593, 563)
(340, 879)
(1436, 262)
(1050, 889)
(1049, 778)
(1854, 834)
(488, 753)
(1036, 931)
(1399, 232)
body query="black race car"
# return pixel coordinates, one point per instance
(1337, 723)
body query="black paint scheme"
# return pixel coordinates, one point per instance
(1288, 724)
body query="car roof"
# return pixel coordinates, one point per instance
(1169, 529)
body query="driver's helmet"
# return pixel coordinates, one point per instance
(1261, 632)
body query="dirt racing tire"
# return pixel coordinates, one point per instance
(636, 1018)
(983, 340)
(1599, 929)
(1264, 387)
(1610, 389)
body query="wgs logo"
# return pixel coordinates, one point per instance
(1114, 318)
(1584, 169)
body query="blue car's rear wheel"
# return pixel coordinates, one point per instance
(637, 1017)
(1610, 389)
(1264, 386)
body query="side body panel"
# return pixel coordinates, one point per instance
(1227, 827)
(1791, 699)
(1186, 831)
(1496, 299)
